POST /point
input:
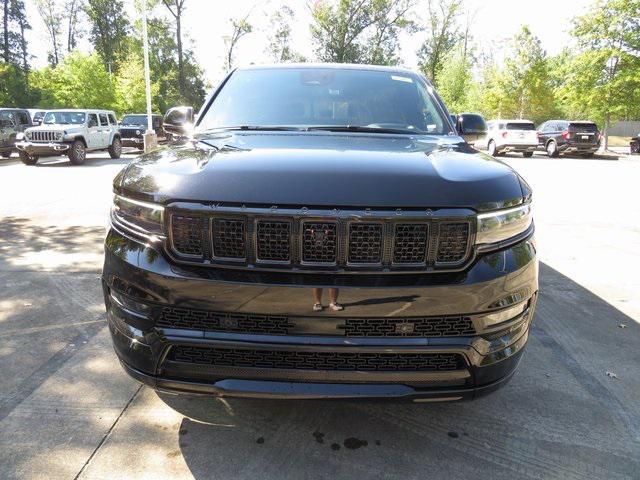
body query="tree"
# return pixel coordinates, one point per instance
(279, 47)
(109, 30)
(602, 81)
(359, 31)
(455, 82)
(130, 93)
(52, 17)
(239, 28)
(73, 9)
(176, 7)
(443, 33)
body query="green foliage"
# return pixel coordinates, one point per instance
(443, 34)
(109, 30)
(359, 31)
(279, 48)
(240, 27)
(79, 81)
(455, 81)
(130, 91)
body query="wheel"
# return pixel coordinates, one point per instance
(635, 147)
(6, 154)
(115, 149)
(77, 153)
(552, 149)
(527, 154)
(493, 151)
(28, 159)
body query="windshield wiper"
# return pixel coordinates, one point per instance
(252, 128)
(362, 129)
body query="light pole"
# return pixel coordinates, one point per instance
(150, 137)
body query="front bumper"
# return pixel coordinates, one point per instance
(140, 283)
(570, 147)
(42, 149)
(517, 147)
(132, 142)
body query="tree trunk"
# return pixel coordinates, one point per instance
(6, 30)
(605, 136)
(180, 60)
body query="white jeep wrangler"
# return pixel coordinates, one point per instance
(74, 132)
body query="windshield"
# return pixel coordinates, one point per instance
(521, 126)
(74, 118)
(307, 97)
(134, 120)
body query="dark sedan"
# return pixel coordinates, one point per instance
(324, 234)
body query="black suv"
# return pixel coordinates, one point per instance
(133, 126)
(564, 136)
(12, 122)
(325, 233)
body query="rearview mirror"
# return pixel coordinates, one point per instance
(179, 120)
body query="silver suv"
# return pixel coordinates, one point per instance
(71, 132)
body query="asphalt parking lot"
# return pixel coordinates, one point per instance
(67, 410)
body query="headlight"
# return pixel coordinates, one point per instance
(27, 135)
(140, 218)
(138, 132)
(502, 225)
(20, 136)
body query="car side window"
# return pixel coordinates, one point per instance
(112, 119)
(93, 120)
(23, 118)
(103, 119)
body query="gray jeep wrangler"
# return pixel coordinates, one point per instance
(71, 132)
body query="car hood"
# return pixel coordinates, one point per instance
(317, 169)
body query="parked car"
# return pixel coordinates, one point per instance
(349, 178)
(36, 115)
(634, 144)
(133, 126)
(511, 136)
(13, 121)
(71, 132)
(564, 136)
(471, 126)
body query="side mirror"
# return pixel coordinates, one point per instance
(179, 120)
(471, 124)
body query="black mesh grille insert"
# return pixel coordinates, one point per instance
(187, 234)
(410, 243)
(319, 244)
(273, 240)
(229, 238)
(325, 360)
(365, 243)
(452, 242)
(192, 319)
(455, 326)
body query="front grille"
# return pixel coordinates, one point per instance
(410, 243)
(192, 319)
(325, 360)
(273, 239)
(319, 242)
(229, 238)
(452, 242)
(341, 242)
(365, 243)
(44, 136)
(131, 132)
(409, 327)
(187, 234)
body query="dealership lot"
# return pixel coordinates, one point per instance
(67, 410)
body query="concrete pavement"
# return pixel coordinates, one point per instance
(67, 410)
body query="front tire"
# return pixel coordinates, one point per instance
(552, 149)
(28, 159)
(527, 154)
(77, 153)
(115, 149)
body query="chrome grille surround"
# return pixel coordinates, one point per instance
(365, 240)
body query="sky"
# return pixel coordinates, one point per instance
(206, 22)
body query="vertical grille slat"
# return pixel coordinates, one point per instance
(273, 240)
(365, 243)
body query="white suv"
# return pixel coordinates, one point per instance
(511, 136)
(74, 132)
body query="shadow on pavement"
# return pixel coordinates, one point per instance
(561, 416)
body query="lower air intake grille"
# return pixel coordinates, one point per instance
(452, 242)
(410, 243)
(409, 327)
(191, 319)
(326, 360)
(229, 238)
(273, 241)
(319, 243)
(187, 234)
(365, 243)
